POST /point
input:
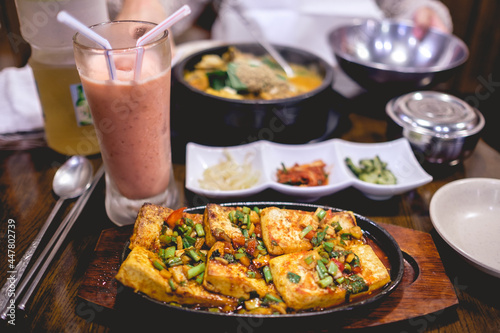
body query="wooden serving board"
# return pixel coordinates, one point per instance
(425, 288)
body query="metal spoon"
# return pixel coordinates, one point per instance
(70, 181)
(256, 32)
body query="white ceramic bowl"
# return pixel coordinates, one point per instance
(269, 156)
(466, 214)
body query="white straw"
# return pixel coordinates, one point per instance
(164, 25)
(153, 33)
(66, 18)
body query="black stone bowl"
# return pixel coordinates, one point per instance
(211, 120)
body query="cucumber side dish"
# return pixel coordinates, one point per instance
(373, 171)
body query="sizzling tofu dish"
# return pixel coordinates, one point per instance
(251, 260)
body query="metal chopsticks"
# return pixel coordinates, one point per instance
(61, 231)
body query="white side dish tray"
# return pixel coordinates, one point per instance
(267, 157)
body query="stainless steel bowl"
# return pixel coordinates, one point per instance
(441, 128)
(386, 55)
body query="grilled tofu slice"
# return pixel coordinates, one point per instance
(346, 219)
(281, 229)
(231, 279)
(340, 223)
(138, 272)
(218, 227)
(148, 226)
(373, 270)
(305, 293)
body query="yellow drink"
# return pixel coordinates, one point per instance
(68, 125)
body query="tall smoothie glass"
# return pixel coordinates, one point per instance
(130, 105)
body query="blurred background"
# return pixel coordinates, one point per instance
(474, 21)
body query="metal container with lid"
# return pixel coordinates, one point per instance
(441, 128)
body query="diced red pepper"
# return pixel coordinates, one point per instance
(339, 264)
(251, 246)
(258, 230)
(356, 269)
(310, 235)
(175, 216)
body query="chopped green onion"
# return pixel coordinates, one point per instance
(246, 210)
(309, 260)
(272, 298)
(256, 209)
(196, 270)
(231, 216)
(158, 265)
(305, 231)
(192, 253)
(174, 261)
(199, 230)
(340, 280)
(321, 269)
(332, 268)
(172, 284)
(321, 214)
(318, 238)
(165, 239)
(345, 236)
(199, 278)
(239, 255)
(188, 221)
(328, 246)
(294, 278)
(337, 226)
(190, 240)
(267, 274)
(169, 252)
(325, 282)
(246, 220)
(238, 215)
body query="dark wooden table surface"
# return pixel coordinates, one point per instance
(26, 198)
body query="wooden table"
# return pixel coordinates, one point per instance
(27, 199)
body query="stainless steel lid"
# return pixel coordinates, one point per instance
(434, 113)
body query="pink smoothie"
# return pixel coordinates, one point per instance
(132, 122)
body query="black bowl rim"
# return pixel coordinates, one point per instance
(383, 239)
(397, 69)
(178, 71)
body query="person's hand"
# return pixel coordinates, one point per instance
(425, 18)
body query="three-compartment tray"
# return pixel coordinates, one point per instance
(265, 158)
